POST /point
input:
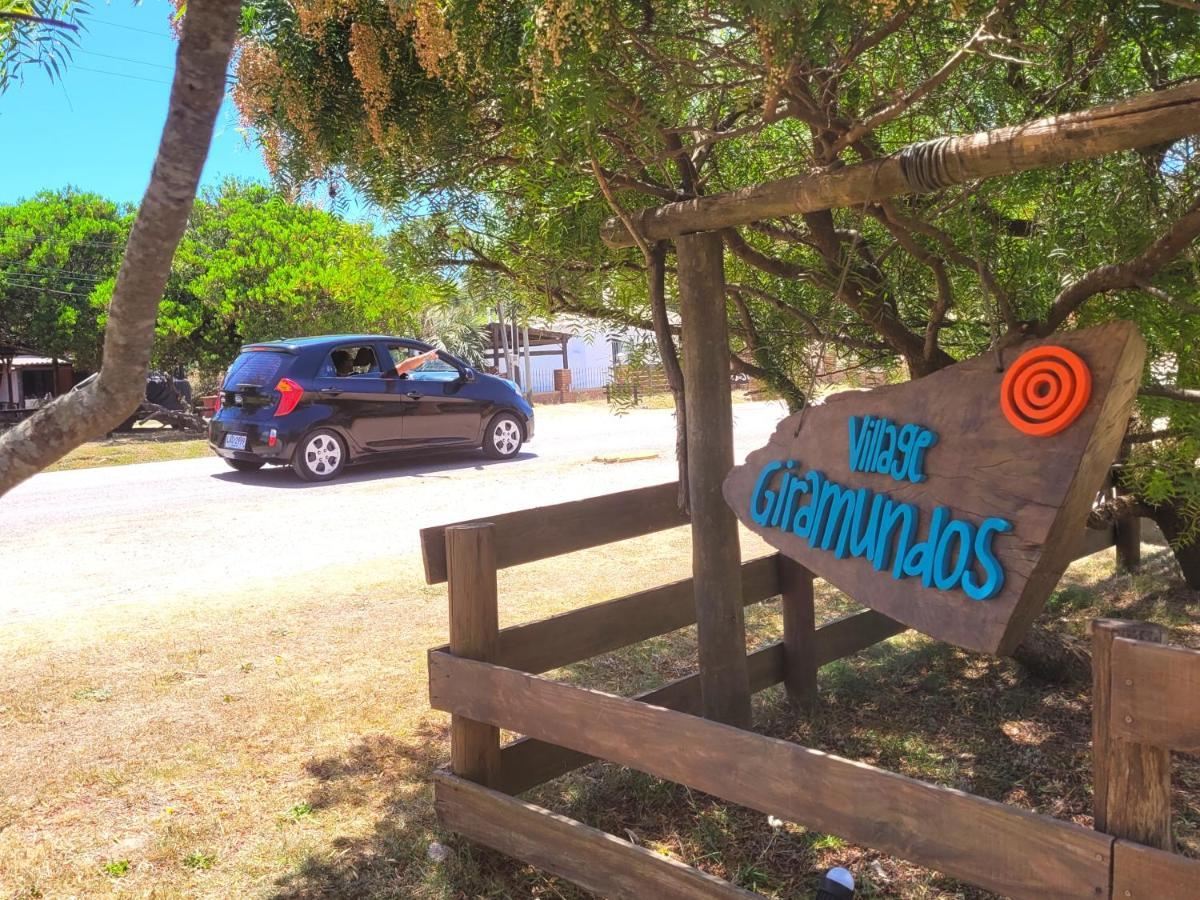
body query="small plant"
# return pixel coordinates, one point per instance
(299, 811)
(827, 842)
(98, 695)
(199, 860)
(117, 867)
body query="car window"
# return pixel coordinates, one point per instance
(345, 362)
(434, 369)
(255, 367)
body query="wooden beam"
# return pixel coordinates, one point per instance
(1140, 121)
(593, 859)
(799, 632)
(471, 553)
(1143, 873)
(583, 633)
(1008, 850)
(1131, 780)
(532, 534)
(716, 569)
(528, 762)
(1157, 695)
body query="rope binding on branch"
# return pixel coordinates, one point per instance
(926, 165)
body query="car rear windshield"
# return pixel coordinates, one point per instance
(260, 368)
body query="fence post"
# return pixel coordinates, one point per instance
(716, 554)
(1129, 543)
(1132, 782)
(474, 629)
(799, 631)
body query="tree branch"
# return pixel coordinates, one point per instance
(1129, 274)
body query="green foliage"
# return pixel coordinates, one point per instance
(1167, 475)
(59, 255)
(483, 125)
(199, 860)
(253, 266)
(117, 867)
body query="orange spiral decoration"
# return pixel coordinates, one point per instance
(1045, 390)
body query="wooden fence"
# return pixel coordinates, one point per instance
(489, 678)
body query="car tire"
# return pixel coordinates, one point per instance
(504, 437)
(245, 465)
(320, 456)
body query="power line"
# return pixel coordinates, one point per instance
(45, 290)
(136, 62)
(91, 20)
(68, 274)
(120, 75)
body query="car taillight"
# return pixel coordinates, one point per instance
(289, 396)
(220, 402)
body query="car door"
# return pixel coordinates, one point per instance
(364, 405)
(441, 408)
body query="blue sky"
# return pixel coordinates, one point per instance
(97, 128)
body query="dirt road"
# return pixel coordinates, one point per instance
(70, 541)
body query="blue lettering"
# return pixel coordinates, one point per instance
(994, 575)
(966, 537)
(760, 517)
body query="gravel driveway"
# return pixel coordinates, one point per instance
(73, 540)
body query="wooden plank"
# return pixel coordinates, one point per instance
(799, 631)
(471, 556)
(979, 469)
(1139, 121)
(602, 627)
(532, 534)
(528, 762)
(1132, 780)
(1143, 873)
(995, 846)
(593, 859)
(1094, 540)
(854, 632)
(716, 554)
(1157, 695)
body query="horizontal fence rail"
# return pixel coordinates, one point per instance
(989, 844)
(528, 762)
(1156, 695)
(597, 861)
(529, 535)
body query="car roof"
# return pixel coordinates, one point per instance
(329, 340)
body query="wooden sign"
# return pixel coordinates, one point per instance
(953, 503)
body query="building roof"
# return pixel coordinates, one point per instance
(30, 362)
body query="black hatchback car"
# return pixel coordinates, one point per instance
(320, 403)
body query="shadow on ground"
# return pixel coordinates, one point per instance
(911, 705)
(424, 465)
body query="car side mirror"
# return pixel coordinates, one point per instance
(467, 375)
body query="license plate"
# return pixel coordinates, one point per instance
(235, 442)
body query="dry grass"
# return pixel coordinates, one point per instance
(279, 745)
(146, 443)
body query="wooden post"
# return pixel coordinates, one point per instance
(716, 556)
(1132, 790)
(474, 630)
(1129, 543)
(799, 632)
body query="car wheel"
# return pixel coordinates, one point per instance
(320, 456)
(245, 465)
(504, 437)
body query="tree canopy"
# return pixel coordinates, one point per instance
(510, 130)
(251, 266)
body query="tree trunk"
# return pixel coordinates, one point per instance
(209, 29)
(1172, 524)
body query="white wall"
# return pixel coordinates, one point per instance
(16, 379)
